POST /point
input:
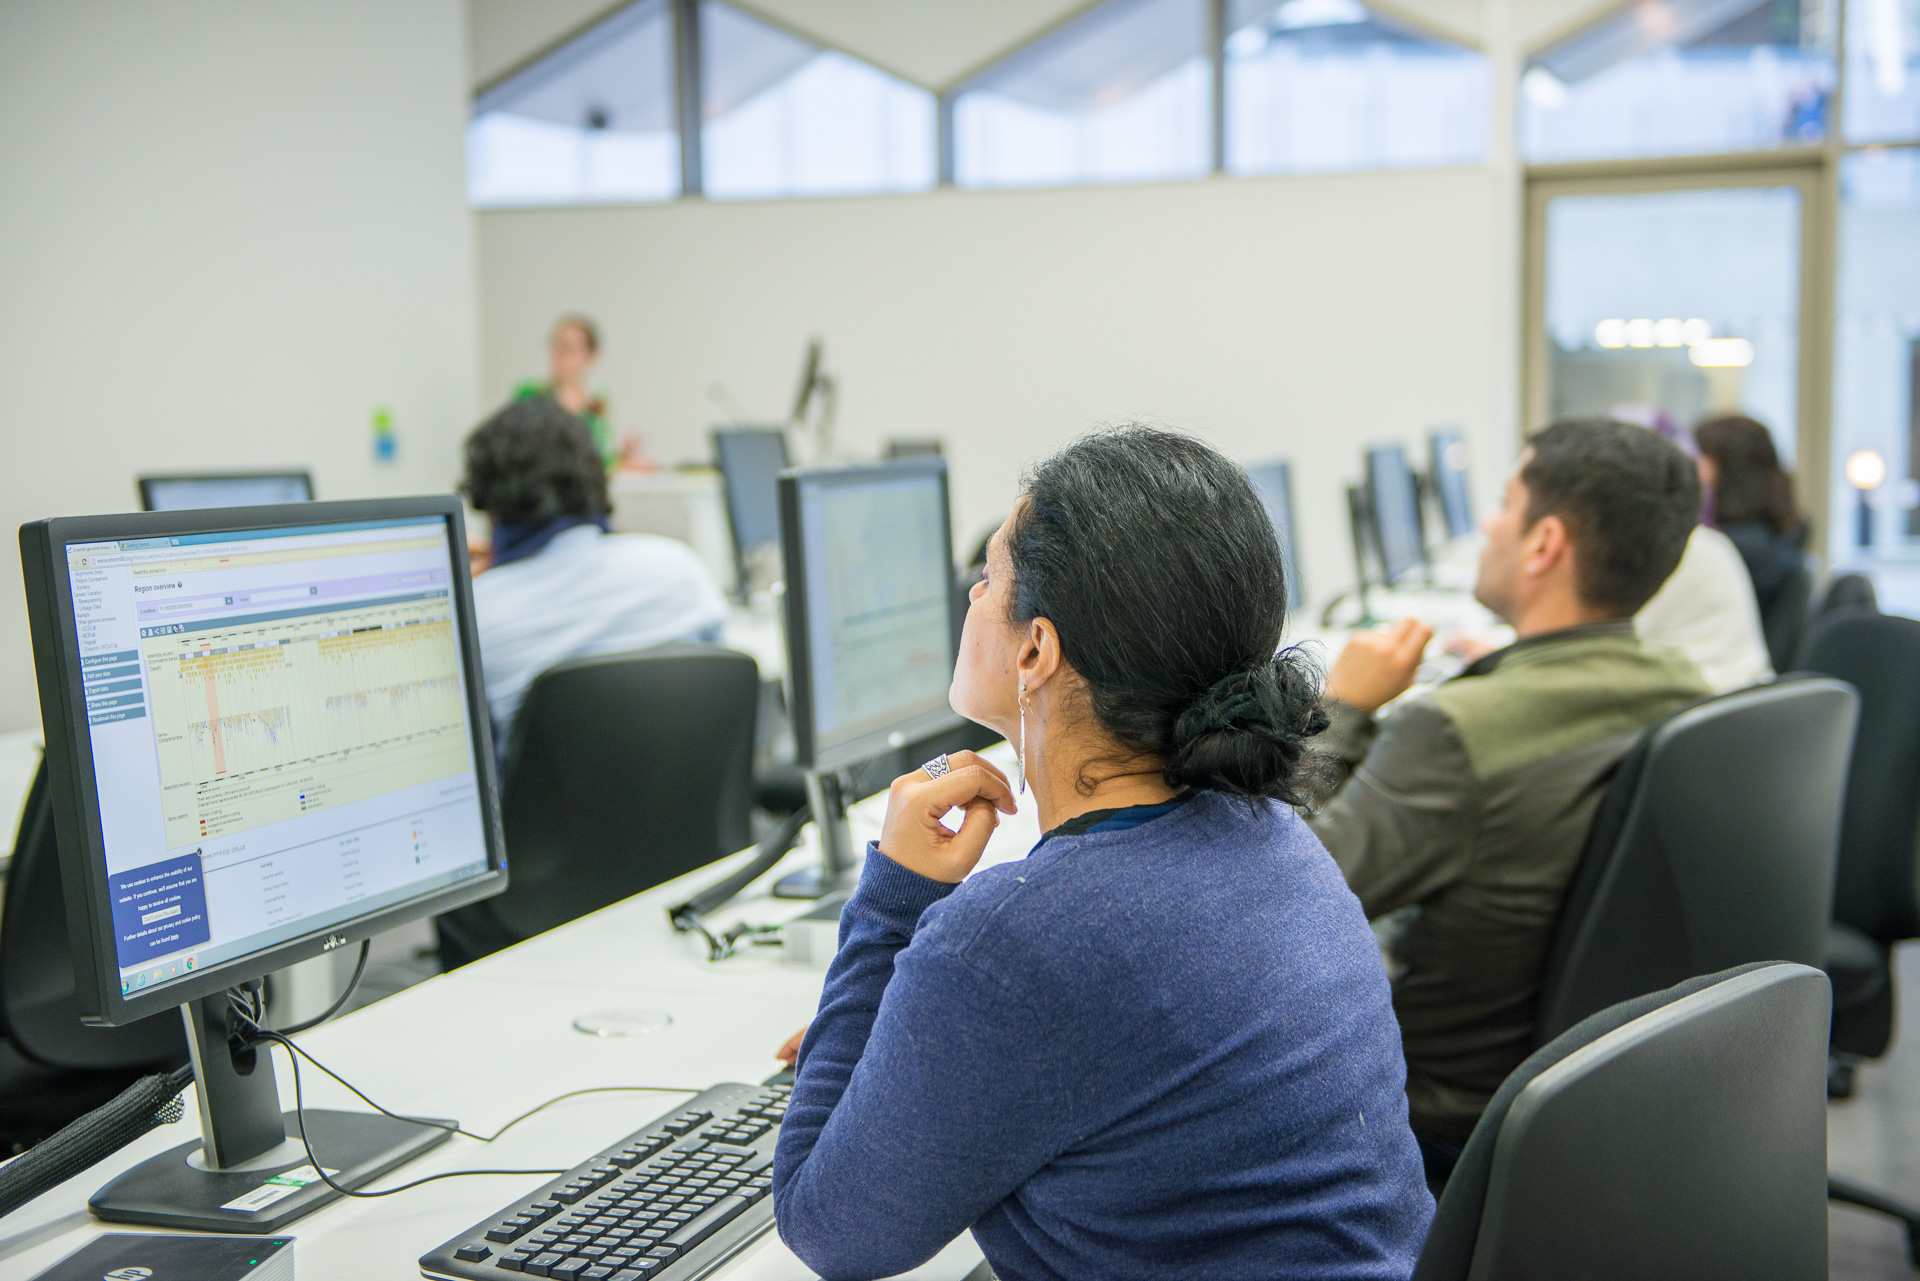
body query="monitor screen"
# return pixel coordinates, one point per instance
(1450, 481)
(1273, 484)
(1394, 499)
(178, 493)
(869, 564)
(751, 460)
(280, 724)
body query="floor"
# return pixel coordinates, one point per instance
(1874, 1137)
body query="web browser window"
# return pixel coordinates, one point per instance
(280, 731)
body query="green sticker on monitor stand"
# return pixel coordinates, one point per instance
(276, 1188)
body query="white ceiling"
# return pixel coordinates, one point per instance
(937, 43)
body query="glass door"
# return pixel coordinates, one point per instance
(1663, 299)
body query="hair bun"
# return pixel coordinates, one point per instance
(1248, 733)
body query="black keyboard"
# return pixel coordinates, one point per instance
(671, 1201)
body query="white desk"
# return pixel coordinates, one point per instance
(491, 1040)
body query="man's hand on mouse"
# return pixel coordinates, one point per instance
(1376, 666)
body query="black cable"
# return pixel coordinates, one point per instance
(366, 946)
(687, 917)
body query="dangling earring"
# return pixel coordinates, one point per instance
(1020, 757)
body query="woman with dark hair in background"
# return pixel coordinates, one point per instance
(1752, 501)
(571, 350)
(1162, 1045)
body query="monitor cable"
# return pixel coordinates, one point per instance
(688, 917)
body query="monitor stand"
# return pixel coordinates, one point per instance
(827, 794)
(249, 1172)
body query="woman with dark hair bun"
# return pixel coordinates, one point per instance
(1752, 501)
(1162, 1045)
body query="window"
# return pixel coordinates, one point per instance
(1883, 70)
(592, 121)
(783, 117)
(1677, 77)
(1316, 85)
(1120, 95)
(1877, 348)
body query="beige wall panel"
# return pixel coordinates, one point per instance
(1299, 317)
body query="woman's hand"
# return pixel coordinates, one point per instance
(789, 1053)
(916, 839)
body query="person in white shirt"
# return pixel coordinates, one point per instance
(559, 586)
(1707, 611)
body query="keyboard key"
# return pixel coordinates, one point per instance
(716, 1217)
(596, 1274)
(515, 1261)
(568, 1270)
(511, 1230)
(473, 1252)
(537, 1267)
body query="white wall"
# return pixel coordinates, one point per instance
(1292, 316)
(231, 230)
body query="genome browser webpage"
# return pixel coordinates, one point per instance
(280, 733)
(878, 599)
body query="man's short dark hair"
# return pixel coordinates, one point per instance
(534, 461)
(1629, 499)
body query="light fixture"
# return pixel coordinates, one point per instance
(1695, 330)
(1640, 333)
(1610, 333)
(1247, 42)
(1319, 13)
(1667, 332)
(1544, 89)
(1866, 471)
(1885, 50)
(1721, 353)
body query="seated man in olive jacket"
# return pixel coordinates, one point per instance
(1469, 806)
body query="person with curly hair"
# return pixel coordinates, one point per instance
(559, 585)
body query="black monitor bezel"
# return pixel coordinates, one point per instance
(1389, 575)
(1437, 453)
(740, 570)
(69, 747)
(809, 752)
(145, 483)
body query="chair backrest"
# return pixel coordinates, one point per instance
(622, 772)
(1848, 591)
(1714, 846)
(1786, 621)
(38, 1011)
(1879, 655)
(1680, 1134)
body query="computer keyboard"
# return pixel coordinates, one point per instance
(669, 1202)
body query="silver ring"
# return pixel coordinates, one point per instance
(938, 767)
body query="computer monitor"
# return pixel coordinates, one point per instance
(751, 460)
(259, 489)
(1449, 480)
(267, 739)
(868, 553)
(1393, 504)
(1273, 484)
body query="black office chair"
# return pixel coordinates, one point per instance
(1714, 846)
(1876, 899)
(1847, 591)
(53, 1067)
(622, 772)
(1679, 1134)
(1785, 623)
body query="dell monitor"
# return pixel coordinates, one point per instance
(1449, 480)
(1393, 505)
(751, 460)
(870, 612)
(1273, 485)
(267, 739)
(261, 489)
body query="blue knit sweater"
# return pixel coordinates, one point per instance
(1164, 1050)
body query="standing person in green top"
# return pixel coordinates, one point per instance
(571, 351)
(1468, 807)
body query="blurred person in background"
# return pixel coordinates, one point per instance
(571, 350)
(560, 586)
(1750, 500)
